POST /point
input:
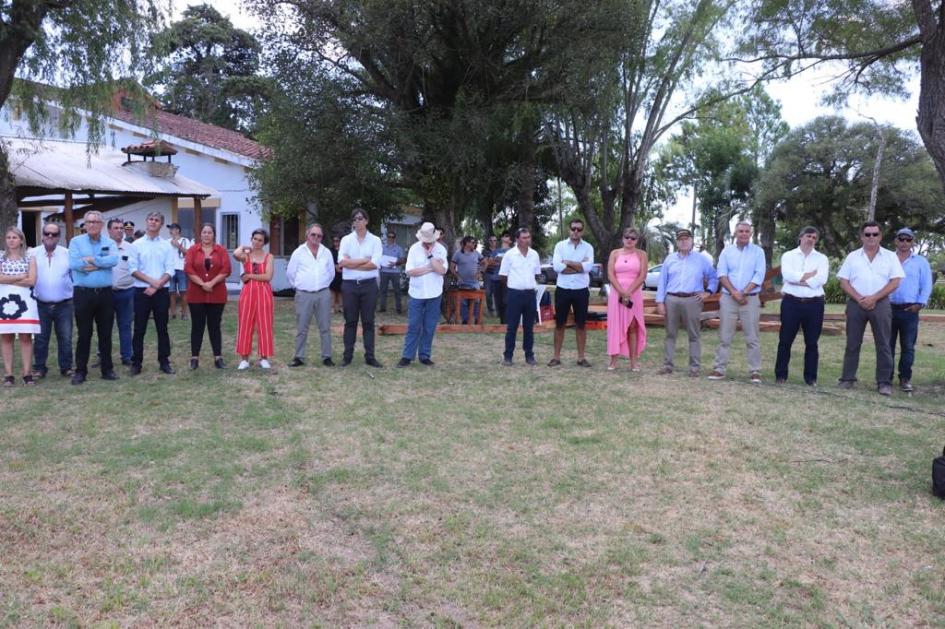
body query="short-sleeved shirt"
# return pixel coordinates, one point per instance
(429, 285)
(393, 251)
(186, 244)
(467, 267)
(868, 277)
(53, 275)
(520, 269)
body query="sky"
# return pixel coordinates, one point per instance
(799, 97)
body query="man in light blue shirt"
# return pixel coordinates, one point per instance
(91, 258)
(686, 279)
(152, 263)
(911, 296)
(393, 257)
(741, 272)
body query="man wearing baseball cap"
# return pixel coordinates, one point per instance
(911, 296)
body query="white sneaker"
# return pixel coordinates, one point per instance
(264, 364)
(243, 366)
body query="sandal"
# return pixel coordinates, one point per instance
(583, 363)
(28, 380)
(554, 362)
(9, 381)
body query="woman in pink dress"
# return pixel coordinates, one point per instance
(626, 331)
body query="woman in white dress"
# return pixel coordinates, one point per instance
(19, 314)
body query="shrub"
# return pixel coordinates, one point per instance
(833, 294)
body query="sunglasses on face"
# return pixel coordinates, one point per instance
(630, 237)
(905, 238)
(871, 234)
(50, 235)
(577, 229)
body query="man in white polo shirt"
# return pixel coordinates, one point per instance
(53, 291)
(573, 259)
(426, 265)
(310, 271)
(519, 267)
(868, 275)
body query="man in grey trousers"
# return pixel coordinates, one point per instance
(310, 271)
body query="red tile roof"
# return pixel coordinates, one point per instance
(195, 131)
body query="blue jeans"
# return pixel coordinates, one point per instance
(123, 301)
(905, 325)
(422, 317)
(58, 315)
(491, 281)
(520, 304)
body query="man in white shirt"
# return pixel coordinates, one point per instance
(53, 292)
(151, 263)
(359, 256)
(426, 265)
(805, 271)
(178, 283)
(310, 271)
(573, 260)
(520, 265)
(868, 275)
(123, 290)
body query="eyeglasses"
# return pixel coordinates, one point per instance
(56, 235)
(577, 229)
(905, 238)
(871, 234)
(631, 237)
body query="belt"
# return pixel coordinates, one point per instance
(364, 280)
(95, 289)
(682, 294)
(803, 300)
(299, 290)
(54, 303)
(117, 290)
(902, 306)
(747, 294)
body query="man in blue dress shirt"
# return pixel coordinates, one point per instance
(741, 272)
(686, 279)
(911, 296)
(91, 258)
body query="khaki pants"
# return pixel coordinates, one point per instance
(683, 312)
(731, 312)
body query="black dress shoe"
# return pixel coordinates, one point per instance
(65, 373)
(345, 362)
(403, 362)
(40, 373)
(134, 370)
(372, 362)
(166, 368)
(296, 362)
(194, 363)
(328, 362)
(125, 361)
(78, 378)
(218, 363)
(427, 362)
(109, 375)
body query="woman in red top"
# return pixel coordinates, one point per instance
(207, 265)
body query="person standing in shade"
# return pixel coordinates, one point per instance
(492, 266)
(20, 314)
(311, 271)
(465, 268)
(123, 290)
(53, 293)
(490, 269)
(520, 266)
(868, 276)
(390, 270)
(911, 296)
(359, 256)
(573, 259)
(92, 256)
(426, 266)
(178, 283)
(805, 271)
(207, 265)
(741, 272)
(686, 280)
(151, 263)
(255, 312)
(626, 329)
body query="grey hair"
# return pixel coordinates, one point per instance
(156, 214)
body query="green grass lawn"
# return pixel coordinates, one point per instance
(472, 494)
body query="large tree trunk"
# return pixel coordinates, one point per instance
(526, 185)
(931, 117)
(8, 208)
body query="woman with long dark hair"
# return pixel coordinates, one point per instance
(207, 265)
(255, 312)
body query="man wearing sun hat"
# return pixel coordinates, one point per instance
(426, 265)
(911, 296)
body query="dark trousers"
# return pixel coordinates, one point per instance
(206, 316)
(797, 315)
(93, 305)
(880, 320)
(491, 281)
(498, 294)
(905, 326)
(358, 299)
(520, 304)
(123, 301)
(58, 316)
(393, 280)
(157, 305)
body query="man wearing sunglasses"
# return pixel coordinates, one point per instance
(53, 292)
(868, 276)
(911, 296)
(572, 261)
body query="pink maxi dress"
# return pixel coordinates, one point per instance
(627, 269)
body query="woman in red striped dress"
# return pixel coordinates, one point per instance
(255, 312)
